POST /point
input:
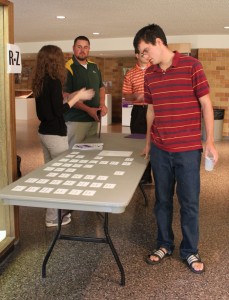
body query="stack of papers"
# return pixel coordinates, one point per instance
(88, 146)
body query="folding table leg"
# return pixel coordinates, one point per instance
(52, 245)
(109, 241)
(144, 194)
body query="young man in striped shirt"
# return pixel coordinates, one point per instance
(176, 90)
(133, 91)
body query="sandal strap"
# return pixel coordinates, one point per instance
(160, 253)
(193, 258)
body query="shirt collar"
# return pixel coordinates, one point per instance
(138, 67)
(76, 61)
(176, 58)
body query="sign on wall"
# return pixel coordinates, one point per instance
(13, 59)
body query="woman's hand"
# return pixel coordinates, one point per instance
(80, 95)
(84, 94)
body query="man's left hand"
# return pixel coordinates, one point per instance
(104, 110)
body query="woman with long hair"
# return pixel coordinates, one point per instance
(50, 105)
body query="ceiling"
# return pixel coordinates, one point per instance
(35, 21)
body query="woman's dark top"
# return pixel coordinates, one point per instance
(50, 108)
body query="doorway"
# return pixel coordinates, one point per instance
(8, 214)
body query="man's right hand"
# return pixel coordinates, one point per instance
(145, 153)
(139, 97)
(134, 98)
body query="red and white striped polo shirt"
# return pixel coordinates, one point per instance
(175, 97)
(134, 82)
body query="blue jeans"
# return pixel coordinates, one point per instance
(180, 170)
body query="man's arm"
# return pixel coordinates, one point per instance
(149, 119)
(208, 115)
(128, 90)
(92, 111)
(102, 101)
(136, 97)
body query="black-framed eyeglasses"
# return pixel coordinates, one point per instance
(144, 53)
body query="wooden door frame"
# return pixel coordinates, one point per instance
(9, 152)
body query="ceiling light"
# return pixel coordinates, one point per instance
(226, 27)
(96, 33)
(60, 17)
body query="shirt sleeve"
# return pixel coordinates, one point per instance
(57, 99)
(199, 80)
(100, 79)
(127, 85)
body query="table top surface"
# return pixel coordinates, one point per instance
(88, 180)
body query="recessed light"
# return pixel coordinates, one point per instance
(60, 17)
(226, 27)
(96, 33)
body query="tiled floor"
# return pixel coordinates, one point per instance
(88, 271)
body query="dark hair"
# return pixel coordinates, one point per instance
(136, 51)
(81, 37)
(149, 34)
(50, 61)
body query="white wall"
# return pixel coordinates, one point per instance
(124, 46)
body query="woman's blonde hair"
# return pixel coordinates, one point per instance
(50, 61)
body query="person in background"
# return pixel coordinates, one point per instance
(50, 74)
(133, 91)
(82, 120)
(176, 89)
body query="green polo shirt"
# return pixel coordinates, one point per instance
(79, 77)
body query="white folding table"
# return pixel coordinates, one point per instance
(88, 180)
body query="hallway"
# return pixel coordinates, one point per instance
(88, 271)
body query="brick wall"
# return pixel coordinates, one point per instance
(111, 69)
(215, 63)
(23, 81)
